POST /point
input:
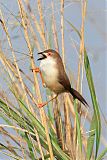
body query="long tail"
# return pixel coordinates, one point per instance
(77, 95)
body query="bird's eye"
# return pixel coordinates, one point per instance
(49, 54)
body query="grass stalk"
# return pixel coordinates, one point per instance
(58, 132)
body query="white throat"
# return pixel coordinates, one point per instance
(49, 71)
(47, 63)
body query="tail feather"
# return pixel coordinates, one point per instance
(77, 95)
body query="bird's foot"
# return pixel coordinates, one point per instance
(40, 105)
(44, 85)
(37, 70)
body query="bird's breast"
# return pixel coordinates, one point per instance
(49, 72)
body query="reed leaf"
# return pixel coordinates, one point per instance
(78, 126)
(90, 142)
(101, 156)
(57, 150)
(92, 92)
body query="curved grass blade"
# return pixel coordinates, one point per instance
(56, 148)
(94, 101)
(101, 156)
(92, 92)
(14, 155)
(30, 146)
(24, 123)
(78, 127)
(91, 138)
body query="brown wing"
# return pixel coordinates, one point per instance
(63, 78)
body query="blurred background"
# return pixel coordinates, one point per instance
(95, 42)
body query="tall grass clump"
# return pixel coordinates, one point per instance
(57, 131)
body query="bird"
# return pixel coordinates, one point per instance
(54, 76)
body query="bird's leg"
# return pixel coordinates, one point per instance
(37, 70)
(40, 105)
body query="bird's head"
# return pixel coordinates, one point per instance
(47, 54)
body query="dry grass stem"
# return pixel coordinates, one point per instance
(54, 29)
(62, 31)
(41, 18)
(14, 57)
(43, 117)
(60, 129)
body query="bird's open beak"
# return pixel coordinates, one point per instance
(43, 56)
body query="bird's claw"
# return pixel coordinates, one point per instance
(44, 85)
(40, 105)
(35, 69)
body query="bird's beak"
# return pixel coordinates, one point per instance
(43, 56)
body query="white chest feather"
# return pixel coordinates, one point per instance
(49, 71)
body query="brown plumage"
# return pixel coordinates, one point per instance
(55, 76)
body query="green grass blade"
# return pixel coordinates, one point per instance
(57, 150)
(91, 138)
(92, 92)
(94, 101)
(11, 113)
(30, 146)
(34, 121)
(78, 126)
(3, 147)
(101, 156)
(74, 28)
(24, 123)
